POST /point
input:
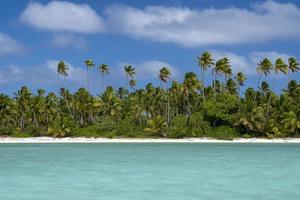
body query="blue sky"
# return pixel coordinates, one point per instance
(35, 35)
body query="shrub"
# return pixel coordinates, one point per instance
(178, 127)
(223, 133)
(197, 125)
(61, 127)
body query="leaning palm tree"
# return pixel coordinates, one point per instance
(240, 79)
(89, 64)
(164, 76)
(205, 61)
(103, 69)
(263, 67)
(130, 72)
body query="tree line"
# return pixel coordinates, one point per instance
(175, 109)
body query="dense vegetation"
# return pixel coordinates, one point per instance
(187, 109)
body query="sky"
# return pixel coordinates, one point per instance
(36, 35)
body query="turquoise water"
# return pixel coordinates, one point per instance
(149, 171)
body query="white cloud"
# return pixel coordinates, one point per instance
(266, 21)
(148, 70)
(8, 45)
(69, 41)
(248, 63)
(10, 74)
(62, 16)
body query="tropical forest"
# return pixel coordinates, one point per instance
(223, 109)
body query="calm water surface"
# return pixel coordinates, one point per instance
(149, 171)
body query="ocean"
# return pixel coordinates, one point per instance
(166, 171)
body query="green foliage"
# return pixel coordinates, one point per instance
(197, 125)
(222, 110)
(178, 128)
(185, 109)
(157, 125)
(61, 127)
(223, 133)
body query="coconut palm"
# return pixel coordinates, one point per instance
(280, 66)
(253, 120)
(291, 122)
(130, 72)
(132, 84)
(156, 125)
(164, 76)
(103, 69)
(205, 61)
(240, 79)
(190, 85)
(223, 67)
(62, 69)
(89, 64)
(263, 67)
(293, 65)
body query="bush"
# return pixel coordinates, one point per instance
(223, 133)
(222, 110)
(197, 125)
(126, 127)
(61, 127)
(7, 131)
(35, 131)
(178, 127)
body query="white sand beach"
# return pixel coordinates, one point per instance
(41, 140)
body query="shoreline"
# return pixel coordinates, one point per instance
(50, 140)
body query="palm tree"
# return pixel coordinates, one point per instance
(130, 72)
(156, 125)
(280, 66)
(263, 67)
(223, 67)
(240, 79)
(253, 120)
(103, 69)
(291, 122)
(164, 76)
(89, 64)
(132, 84)
(190, 84)
(23, 101)
(62, 69)
(293, 65)
(204, 62)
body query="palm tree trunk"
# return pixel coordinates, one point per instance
(259, 79)
(87, 78)
(270, 97)
(203, 86)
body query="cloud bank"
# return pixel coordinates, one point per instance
(265, 21)
(62, 16)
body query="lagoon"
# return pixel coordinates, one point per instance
(149, 171)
